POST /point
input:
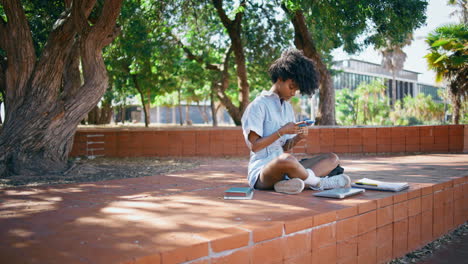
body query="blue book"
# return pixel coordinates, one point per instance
(238, 193)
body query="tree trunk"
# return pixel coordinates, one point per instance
(213, 106)
(188, 121)
(93, 116)
(2, 85)
(106, 114)
(142, 97)
(44, 100)
(1, 121)
(303, 41)
(456, 101)
(219, 86)
(203, 113)
(148, 107)
(179, 97)
(220, 89)
(394, 90)
(100, 115)
(123, 113)
(234, 29)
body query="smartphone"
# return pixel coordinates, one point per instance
(307, 123)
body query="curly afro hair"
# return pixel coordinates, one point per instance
(295, 66)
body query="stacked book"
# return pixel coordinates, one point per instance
(238, 193)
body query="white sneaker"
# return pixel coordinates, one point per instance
(292, 186)
(337, 181)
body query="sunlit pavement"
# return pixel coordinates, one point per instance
(129, 219)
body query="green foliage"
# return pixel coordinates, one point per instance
(462, 10)
(141, 57)
(41, 16)
(448, 57)
(346, 107)
(417, 110)
(464, 112)
(448, 50)
(2, 14)
(266, 35)
(367, 105)
(446, 96)
(146, 50)
(191, 81)
(335, 24)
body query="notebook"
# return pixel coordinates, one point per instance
(238, 193)
(340, 193)
(380, 185)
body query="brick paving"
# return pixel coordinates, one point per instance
(182, 217)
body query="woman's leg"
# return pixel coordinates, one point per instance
(274, 171)
(321, 164)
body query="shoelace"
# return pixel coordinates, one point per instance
(330, 182)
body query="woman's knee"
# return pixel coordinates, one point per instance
(287, 157)
(287, 160)
(333, 158)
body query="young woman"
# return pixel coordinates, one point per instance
(269, 129)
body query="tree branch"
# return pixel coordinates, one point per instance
(71, 72)
(3, 34)
(57, 50)
(80, 14)
(2, 77)
(61, 44)
(226, 60)
(189, 54)
(238, 17)
(110, 37)
(218, 4)
(17, 28)
(18, 45)
(94, 69)
(234, 29)
(222, 86)
(68, 3)
(104, 28)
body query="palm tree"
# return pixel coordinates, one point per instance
(449, 58)
(372, 102)
(463, 12)
(393, 60)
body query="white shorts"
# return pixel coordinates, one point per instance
(257, 164)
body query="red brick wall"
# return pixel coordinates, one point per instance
(116, 142)
(369, 230)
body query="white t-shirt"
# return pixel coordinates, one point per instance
(264, 116)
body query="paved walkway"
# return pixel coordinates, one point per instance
(120, 220)
(454, 252)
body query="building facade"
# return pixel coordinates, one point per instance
(352, 72)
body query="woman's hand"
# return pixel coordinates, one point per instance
(289, 128)
(300, 136)
(294, 128)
